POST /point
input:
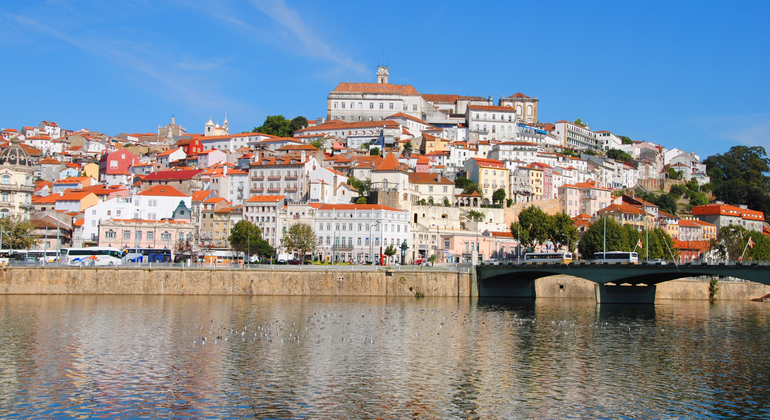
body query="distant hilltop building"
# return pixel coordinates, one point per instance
(212, 129)
(171, 130)
(355, 102)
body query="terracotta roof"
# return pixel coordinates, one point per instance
(692, 245)
(164, 191)
(74, 196)
(356, 207)
(440, 99)
(172, 175)
(489, 163)
(49, 161)
(502, 234)
(409, 117)
(385, 88)
(428, 178)
(492, 108)
(200, 195)
(265, 198)
(519, 95)
(169, 152)
(390, 163)
(622, 208)
(727, 210)
(48, 199)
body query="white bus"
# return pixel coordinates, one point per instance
(613, 257)
(89, 257)
(548, 257)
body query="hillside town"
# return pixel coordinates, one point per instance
(435, 176)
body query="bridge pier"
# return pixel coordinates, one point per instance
(507, 288)
(609, 294)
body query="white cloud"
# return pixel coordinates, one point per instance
(748, 129)
(301, 36)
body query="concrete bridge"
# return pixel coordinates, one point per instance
(615, 283)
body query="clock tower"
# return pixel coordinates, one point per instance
(382, 74)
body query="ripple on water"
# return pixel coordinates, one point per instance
(92, 356)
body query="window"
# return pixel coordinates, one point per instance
(414, 107)
(110, 234)
(126, 235)
(391, 105)
(371, 105)
(5, 196)
(150, 236)
(335, 105)
(6, 179)
(343, 105)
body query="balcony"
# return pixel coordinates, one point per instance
(17, 187)
(291, 190)
(274, 178)
(291, 177)
(275, 190)
(257, 178)
(256, 190)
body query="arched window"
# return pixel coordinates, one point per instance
(493, 128)
(4, 213)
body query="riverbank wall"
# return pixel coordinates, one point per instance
(146, 281)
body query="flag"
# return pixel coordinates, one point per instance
(639, 244)
(751, 242)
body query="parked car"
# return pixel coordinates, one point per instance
(657, 261)
(491, 261)
(280, 261)
(295, 262)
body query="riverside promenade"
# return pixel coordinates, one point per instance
(404, 281)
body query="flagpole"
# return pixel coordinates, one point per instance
(750, 242)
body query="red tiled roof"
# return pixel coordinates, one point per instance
(440, 99)
(727, 210)
(428, 178)
(172, 175)
(519, 95)
(356, 207)
(164, 191)
(385, 88)
(492, 108)
(265, 198)
(621, 208)
(390, 163)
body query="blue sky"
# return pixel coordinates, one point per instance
(692, 75)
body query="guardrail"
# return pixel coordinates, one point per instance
(452, 268)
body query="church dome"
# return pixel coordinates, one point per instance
(15, 155)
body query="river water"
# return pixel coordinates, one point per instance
(302, 357)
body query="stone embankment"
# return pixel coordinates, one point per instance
(145, 281)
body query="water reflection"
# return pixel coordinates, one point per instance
(290, 357)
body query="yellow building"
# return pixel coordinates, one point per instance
(490, 174)
(91, 170)
(433, 144)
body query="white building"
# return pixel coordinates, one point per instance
(352, 102)
(359, 232)
(491, 122)
(575, 136)
(155, 203)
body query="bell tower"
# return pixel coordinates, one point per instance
(382, 74)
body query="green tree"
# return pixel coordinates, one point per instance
(569, 152)
(298, 123)
(361, 200)
(580, 122)
(592, 240)
(538, 223)
(470, 188)
(498, 196)
(363, 187)
(564, 232)
(699, 199)
(692, 185)
(462, 182)
(432, 259)
(447, 203)
(677, 190)
(17, 233)
(476, 216)
(374, 151)
(278, 125)
(520, 234)
(673, 173)
(300, 237)
(246, 237)
(739, 177)
(408, 148)
(626, 140)
(590, 152)
(618, 155)
(319, 144)
(390, 251)
(667, 203)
